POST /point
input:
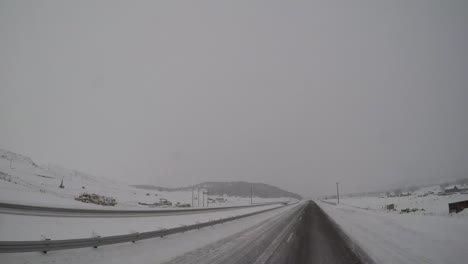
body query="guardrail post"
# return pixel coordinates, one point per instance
(137, 235)
(163, 233)
(47, 245)
(97, 242)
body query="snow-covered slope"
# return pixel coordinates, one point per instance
(23, 181)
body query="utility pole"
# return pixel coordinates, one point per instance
(203, 198)
(192, 196)
(251, 195)
(337, 193)
(198, 196)
(207, 198)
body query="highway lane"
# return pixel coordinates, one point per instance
(317, 239)
(304, 234)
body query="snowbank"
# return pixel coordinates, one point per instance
(403, 238)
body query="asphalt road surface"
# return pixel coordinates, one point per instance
(303, 234)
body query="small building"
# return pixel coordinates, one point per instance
(164, 202)
(453, 190)
(458, 206)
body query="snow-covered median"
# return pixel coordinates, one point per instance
(26, 227)
(154, 251)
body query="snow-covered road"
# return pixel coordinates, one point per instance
(305, 235)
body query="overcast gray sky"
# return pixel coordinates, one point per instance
(299, 94)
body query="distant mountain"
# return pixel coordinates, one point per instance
(240, 189)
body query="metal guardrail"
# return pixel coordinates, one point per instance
(81, 212)
(49, 245)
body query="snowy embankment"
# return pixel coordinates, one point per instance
(391, 237)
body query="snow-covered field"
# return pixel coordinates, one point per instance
(425, 198)
(25, 182)
(429, 236)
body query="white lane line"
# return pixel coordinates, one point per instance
(289, 238)
(263, 258)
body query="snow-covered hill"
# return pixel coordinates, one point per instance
(23, 181)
